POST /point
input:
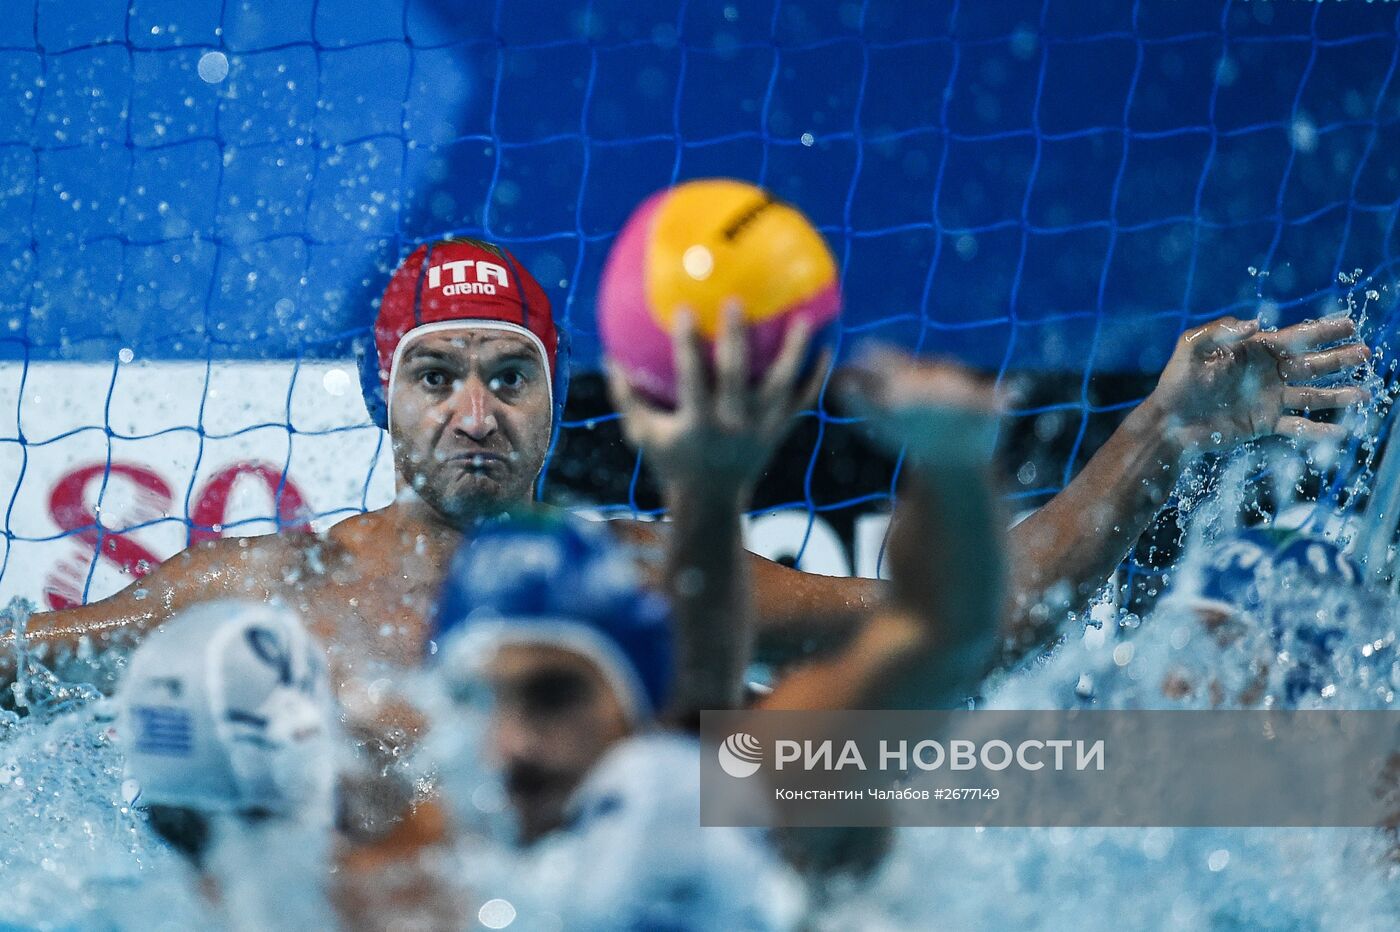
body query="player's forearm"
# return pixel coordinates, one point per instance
(802, 613)
(197, 574)
(51, 636)
(708, 578)
(852, 677)
(947, 573)
(891, 662)
(1064, 552)
(936, 639)
(947, 553)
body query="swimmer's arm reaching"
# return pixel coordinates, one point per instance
(202, 572)
(929, 644)
(707, 455)
(1226, 383)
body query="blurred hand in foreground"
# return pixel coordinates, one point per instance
(939, 413)
(721, 436)
(707, 455)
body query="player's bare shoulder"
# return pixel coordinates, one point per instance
(253, 567)
(364, 542)
(646, 540)
(343, 556)
(639, 533)
(270, 566)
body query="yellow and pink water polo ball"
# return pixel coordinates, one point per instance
(706, 245)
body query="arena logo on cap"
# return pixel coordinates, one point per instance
(488, 276)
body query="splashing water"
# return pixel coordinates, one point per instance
(1305, 637)
(1165, 878)
(74, 849)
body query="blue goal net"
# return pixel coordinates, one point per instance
(201, 201)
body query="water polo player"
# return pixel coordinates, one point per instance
(469, 384)
(226, 724)
(561, 665)
(567, 687)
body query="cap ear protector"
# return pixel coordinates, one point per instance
(290, 763)
(371, 386)
(561, 393)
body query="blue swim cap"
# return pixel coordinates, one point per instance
(563, 582)
(1240, 570)
(1257, 567)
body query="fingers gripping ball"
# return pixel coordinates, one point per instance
(706, 246)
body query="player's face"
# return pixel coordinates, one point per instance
(470, 420)
(554, 717)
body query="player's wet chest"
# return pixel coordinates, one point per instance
(382, 615)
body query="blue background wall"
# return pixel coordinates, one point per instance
(1059, 185)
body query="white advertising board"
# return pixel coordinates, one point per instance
(145, 455)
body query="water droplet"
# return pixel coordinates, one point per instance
(1156, 842)
(488, 798)
(336, 382)
(496, 914)
(213, 67)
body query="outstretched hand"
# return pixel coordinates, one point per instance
(1228, 381)
(718, 439)
(940, 413)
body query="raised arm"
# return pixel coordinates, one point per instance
(932, 641)
(1227, 382)
(706, 455)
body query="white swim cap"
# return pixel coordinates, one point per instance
(227, 708)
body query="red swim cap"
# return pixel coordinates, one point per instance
(462, 281)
